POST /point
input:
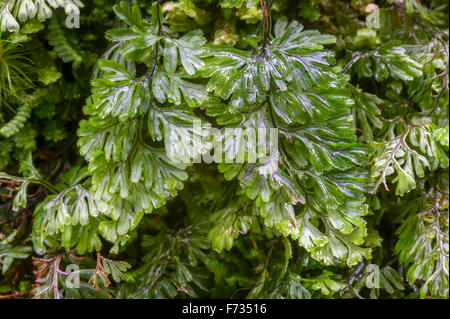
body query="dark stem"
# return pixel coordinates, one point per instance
(155, 59)
(158, 10)
(265, 13)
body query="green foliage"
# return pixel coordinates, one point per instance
(224, 149)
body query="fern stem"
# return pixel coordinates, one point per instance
(265, 14)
